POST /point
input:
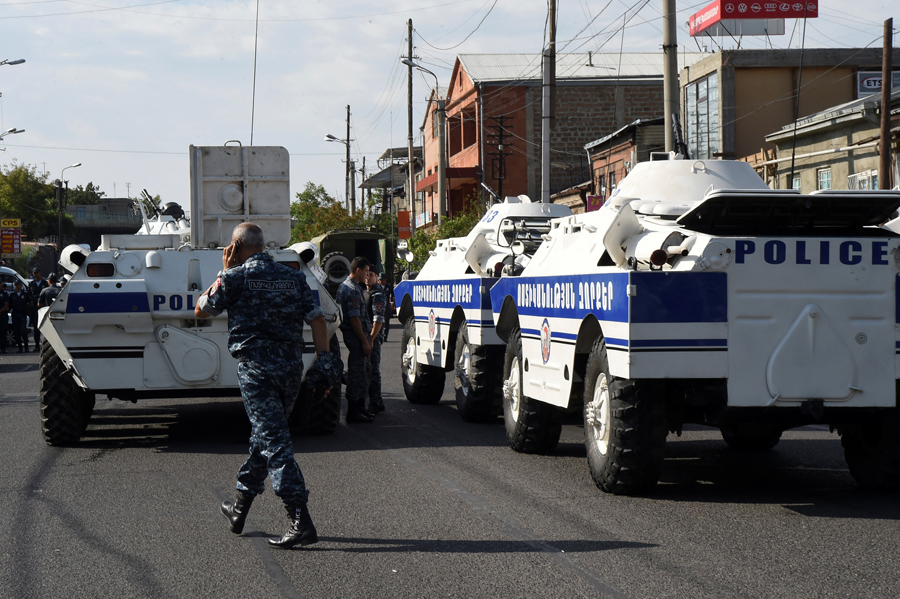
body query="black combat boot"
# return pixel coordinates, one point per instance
(356, 412)
(237, 511)
(302, 531)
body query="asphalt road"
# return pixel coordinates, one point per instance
(421, 504)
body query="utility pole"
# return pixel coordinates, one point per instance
(671, 104)
(547, 112)
(884, 164)
(409, 141)
(442, 157)
(498, 163)
(352, 181)
(351, 207)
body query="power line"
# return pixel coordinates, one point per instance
(465, 38)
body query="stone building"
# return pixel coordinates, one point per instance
(837, 148)
(493, 107)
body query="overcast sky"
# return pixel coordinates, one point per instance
(125, 86)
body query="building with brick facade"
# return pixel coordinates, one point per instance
(493, 109)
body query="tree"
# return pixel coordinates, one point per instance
(86, 195)
(25, 194)
(317, 213)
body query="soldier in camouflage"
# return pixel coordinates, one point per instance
(376, 307)
(355, 328)
(267, 304)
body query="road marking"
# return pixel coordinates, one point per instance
(512, 527)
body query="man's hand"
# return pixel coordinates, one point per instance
(367, 347)
(230, 256)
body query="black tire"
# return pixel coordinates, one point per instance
(750, 438)
(422, 384)
(624, 428)
(65, 407)
(477, 380)
(872, 451)
(531, 426)
(337, 266)
(319, 418)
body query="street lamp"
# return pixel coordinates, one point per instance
(348, 186)
(61, 202)
(8, 61)
(12, 131)
(442, 149)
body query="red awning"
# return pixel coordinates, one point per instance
(455, 178)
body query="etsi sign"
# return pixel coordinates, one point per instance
(869, 82)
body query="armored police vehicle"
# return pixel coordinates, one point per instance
(446, 310)
(696, 294)
(124, 326)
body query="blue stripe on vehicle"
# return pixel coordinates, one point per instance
(446, 293)
(679, 297)
(567, 296)
(679, 342)
(99, 302)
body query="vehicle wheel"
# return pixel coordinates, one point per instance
(322, 417)
(750, 438)
(531, 426)
(422, 384)
(337, 266)
(477, 380)
(872, 451)
(65, 407)
(624, 428)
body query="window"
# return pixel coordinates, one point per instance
(796, 184)
(435, 131)
(864, 180)
(80, 212)
(702, 118)
(823, 178)
(612, 181)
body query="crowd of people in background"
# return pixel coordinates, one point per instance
(19, 308)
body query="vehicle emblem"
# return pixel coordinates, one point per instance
(545, 341)
(432, 325)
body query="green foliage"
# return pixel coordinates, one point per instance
(25, 194)
(317, 213)
(85, 196)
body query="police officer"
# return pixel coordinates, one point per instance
(376, 307)
(35, 286)
(49, 293)
(19, 306)
(267, 304)
(355, 328)
(4, 316)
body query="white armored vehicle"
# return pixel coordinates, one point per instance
(446, 310)
(124, 326)
(696, 294)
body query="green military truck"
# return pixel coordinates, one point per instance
(337, 249)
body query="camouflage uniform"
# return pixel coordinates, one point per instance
(267, 303)
(350, 298)
(376, 308)
(34, 289)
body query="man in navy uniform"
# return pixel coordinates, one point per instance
(4, 316)
(19, 306)
(376, 307)
(267, 304)
(49, 293)
(35, 286)
(355, 328)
